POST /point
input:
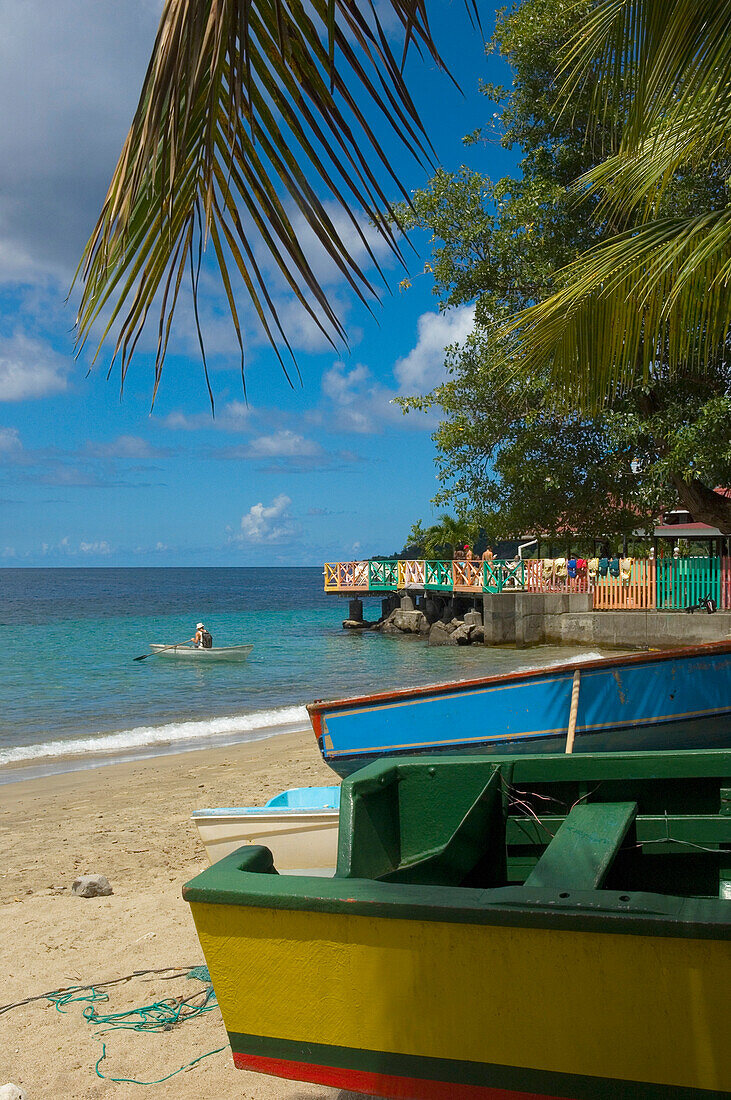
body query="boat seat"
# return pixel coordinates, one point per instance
(429, 827)
(584, 846)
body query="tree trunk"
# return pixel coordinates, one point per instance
(704, 505)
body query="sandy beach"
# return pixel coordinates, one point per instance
(130, 822)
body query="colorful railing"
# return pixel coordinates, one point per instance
(633, 590)
(467, 575)
(383, 575)
(684, 582)
(439, 576)
(640, 583)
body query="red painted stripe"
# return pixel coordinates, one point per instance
(380, 1084)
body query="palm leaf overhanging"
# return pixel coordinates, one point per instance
(250, 112)
(659, 291)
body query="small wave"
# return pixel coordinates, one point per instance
(575, 658)
(142, 736)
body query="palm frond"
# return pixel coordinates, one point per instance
(657, 294)
(671, 59)
(636, 183)
(659, 290)
(252, 112)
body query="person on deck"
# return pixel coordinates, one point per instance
(203, 640)
(488, 555)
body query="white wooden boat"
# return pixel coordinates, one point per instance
(216, 653)
(299, 826)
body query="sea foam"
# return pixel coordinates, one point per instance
(238, 726)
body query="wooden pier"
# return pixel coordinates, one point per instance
(640, 584)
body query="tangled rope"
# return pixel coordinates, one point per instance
(158, 1016)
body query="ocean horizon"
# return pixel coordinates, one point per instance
(72, 697)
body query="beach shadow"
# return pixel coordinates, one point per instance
(331, 1094)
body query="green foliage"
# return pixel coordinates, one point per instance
(655, 297)
(441, 540)
(508, 451)
(243, 106)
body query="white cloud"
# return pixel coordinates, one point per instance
(126, 446)
(69, 78)
(64, 548)
(267, 523)
(10, 441)
(102, 547)
(423, 368)
(361, 404)
(357, 235)
(233, 417)
(29, 369)
(283, 444)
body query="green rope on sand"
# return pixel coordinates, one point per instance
(200, 973)
(159, 1080)
(155, 1017)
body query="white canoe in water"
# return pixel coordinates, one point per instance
(216, 653)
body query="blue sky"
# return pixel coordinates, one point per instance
(328, 470)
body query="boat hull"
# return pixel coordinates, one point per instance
(425, 1010)
(706, 733)
(302, 838)
(670, 700)
(502, 927)
(217, 653)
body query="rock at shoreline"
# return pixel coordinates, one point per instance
(454, 632)
(12, 1092)
(440, 634)
(405, 622)
(90, 886)
(358, 624)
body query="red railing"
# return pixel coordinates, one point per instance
(552, 575)
(726, 583)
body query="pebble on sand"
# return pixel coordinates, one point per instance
(89, 886)
(12, 1092)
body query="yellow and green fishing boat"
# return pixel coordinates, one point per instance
(498, 927)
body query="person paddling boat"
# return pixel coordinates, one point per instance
(203, 639)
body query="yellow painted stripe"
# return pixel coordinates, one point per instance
(636, 1008)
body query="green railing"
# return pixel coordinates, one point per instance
(497, 576)
(683, 582)
(383, 575)
(438, 576)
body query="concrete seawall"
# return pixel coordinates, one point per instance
(525, 619)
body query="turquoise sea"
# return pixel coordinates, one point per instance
(72, 696)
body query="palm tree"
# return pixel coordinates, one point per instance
(659, 290)
(250, 112)
(656, 296)
(447, 536)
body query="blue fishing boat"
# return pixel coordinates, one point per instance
(674, 699)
